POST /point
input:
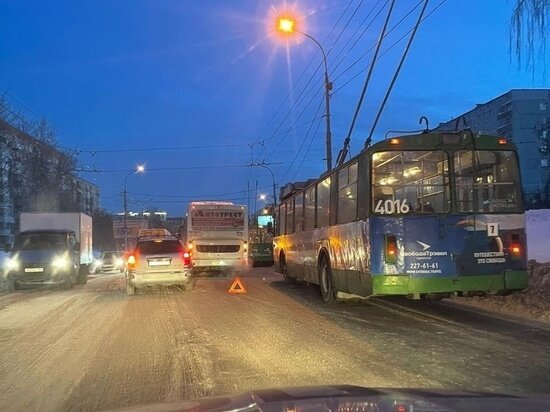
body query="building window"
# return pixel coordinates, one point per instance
(542, 106)
(543, 162)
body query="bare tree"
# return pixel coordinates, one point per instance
(529, 32)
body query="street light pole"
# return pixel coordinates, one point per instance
(328, 88)
(140, 169)
(287, 26)
(273, 180)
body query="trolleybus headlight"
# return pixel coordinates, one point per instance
(390, 249)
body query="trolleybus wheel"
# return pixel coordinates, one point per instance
(284, 269)
(325, 281)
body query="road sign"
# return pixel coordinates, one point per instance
(237, 287)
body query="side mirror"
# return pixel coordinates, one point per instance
(269, 227)
(77, 246)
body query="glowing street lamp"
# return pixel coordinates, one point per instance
(286, 25)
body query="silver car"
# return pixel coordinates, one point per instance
(158, 260)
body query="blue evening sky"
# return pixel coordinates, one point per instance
(135, 74)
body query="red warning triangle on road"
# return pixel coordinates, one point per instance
(237, 287)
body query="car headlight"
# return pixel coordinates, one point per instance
(119, 262)
(11, 264)
(60, 262)
(98, 263)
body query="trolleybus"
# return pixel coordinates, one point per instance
(418, 215)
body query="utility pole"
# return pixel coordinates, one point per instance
(328, 138)
(125, 219)
(263, 165)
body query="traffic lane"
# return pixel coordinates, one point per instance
(95, 348)
(451, 347)
(172, 345)
(47, 339)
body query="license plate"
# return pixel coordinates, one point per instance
(165, 262)
(30, 270)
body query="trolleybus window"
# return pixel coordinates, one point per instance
(309, 212)
(289, 216)
(347, 194)
(299, 212)
(282, 219)
(487, 181)
(323, 203)
(410, 182)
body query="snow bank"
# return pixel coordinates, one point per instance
(537, 224)
(532, 303)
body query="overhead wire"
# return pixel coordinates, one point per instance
(307, 150)
(319, 108)
(343, 153)
(342, 86)
(333, 69)
(391, 29)
(397, 71)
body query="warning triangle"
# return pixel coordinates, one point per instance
(237, 287)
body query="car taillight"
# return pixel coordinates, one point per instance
(515, 247)
(390, 249)
(132, 261)
(186, 259)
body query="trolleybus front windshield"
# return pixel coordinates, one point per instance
(487, 181)
(410, 182)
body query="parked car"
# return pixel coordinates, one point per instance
(158, 260)
(109, 262)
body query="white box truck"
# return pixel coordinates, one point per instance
(51, 248)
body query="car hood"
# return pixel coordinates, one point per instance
(41, 255)
(352, 398)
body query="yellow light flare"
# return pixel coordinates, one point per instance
(286, 25)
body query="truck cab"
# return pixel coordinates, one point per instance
(45, 257)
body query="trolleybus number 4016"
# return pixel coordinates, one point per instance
(390, 207)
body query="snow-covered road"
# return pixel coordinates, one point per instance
(94, 348)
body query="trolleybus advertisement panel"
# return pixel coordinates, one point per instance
(449, 245)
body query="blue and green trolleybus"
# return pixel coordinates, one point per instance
(430, 214)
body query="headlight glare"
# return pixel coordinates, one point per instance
(60, 262)
(11, 264)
